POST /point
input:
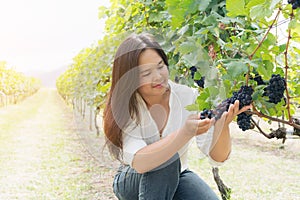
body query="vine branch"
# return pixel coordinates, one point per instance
(260, 130)
(286, 70)
(261, 41)
(260, 114)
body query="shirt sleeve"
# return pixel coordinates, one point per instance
(132, 142)
(204, 142)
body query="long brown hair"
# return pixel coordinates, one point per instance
(121, 107)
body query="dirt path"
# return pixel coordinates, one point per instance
(47, 154)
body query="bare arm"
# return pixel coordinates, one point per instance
(159, 152)
(221, 143)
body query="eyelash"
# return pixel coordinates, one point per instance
(144, 75)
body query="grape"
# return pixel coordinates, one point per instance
(244, 96)
(275, 88)
(244, 121)
(199, 82)
(259, 80)
(193, 70)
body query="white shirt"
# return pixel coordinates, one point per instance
(135, 137)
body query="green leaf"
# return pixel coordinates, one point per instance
(156, 17)
(253, 3)
(187, 47)
(235, 8)
(213, 91)
(282, 48)
(297, 89)
(191, 59)
(192, 107)
(261, 11)
(236, 68)
(202, 100)
(265, 69)
(197, 76)
(203, 4)
(274, 3)
(293, 24)
(257, 12)
(102, 12)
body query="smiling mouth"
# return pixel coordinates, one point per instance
(158, 85)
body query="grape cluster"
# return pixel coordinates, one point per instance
(275, 89)
(199, 82)
(244, 121)
(244, 96)
(295, 3)
(245, 99)
(206, 114)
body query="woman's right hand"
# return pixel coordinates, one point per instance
(194, 126)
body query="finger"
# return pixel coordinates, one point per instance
(232, 108)
(236, 106)
(213, 121)
(222, 119)
(203, 129)
(245, 108)
(204, 122)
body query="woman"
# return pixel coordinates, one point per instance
(148, 128)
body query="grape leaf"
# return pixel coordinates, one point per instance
(236, 68)
(235, 8)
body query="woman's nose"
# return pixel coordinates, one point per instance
(157, 75)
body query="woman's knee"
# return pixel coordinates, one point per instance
(191, 186)
(162, 182)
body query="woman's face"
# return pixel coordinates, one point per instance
(154, 74)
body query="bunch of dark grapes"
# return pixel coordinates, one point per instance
(206, 114)
(275, 89)
(244, 121)
(200, 82)
(295, 3)
(245, 99)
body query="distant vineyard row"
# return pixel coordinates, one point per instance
(15, 86)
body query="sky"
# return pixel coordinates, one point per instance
(44, 35)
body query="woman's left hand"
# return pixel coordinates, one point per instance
(232, 112)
